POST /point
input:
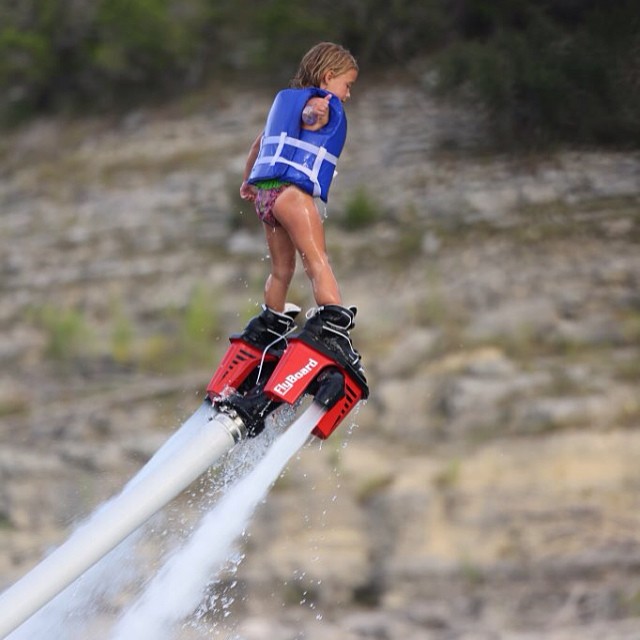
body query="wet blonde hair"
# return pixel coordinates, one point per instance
(323, 57)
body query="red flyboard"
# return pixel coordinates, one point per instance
(299, 366)
(237, 363)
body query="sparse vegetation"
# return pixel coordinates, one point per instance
(185, 340)
(200, 325)
(122, 335)
(360, 211)
(68, 333)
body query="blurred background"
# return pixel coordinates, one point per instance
(485, 221)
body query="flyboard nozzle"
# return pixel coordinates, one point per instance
(330, 388)
(248, 412)
(229, 420)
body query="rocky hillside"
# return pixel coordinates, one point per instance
(491, 487)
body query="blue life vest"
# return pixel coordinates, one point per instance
(296, 155)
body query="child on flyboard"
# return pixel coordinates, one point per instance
(289, 164)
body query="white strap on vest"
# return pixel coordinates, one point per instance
(321, 154)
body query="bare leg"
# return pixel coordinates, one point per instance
(283, 264)
(297, 213)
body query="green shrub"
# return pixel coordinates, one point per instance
(101, 54)
(122, 336)
(546, 71)
(26, 64)
(142, 41)
(68, 334)
(545, 76)
(360, 211)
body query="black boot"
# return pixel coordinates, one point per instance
(329, 326)
(271, 328)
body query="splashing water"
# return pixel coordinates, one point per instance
(65, 616)
(177, 590)
(83, 604)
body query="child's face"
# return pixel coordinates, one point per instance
(341, 84)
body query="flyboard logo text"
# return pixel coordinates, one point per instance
(286, 385)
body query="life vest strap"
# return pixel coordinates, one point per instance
(321, 155)
(283, 139)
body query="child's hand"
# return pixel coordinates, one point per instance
(247, 191)
(315, 114)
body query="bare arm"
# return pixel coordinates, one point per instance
(315, 114)
(247, 192)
